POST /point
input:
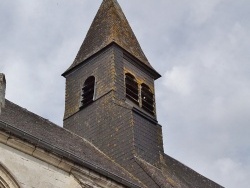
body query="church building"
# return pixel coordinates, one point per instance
(110, 136)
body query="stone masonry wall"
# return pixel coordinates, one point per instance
(31, 172)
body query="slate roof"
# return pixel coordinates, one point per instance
(109, 25)
(174, 174)
(27, 126)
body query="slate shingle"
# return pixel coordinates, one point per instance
(64, 142)
(109, 25)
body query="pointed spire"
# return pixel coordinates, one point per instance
(109, 25)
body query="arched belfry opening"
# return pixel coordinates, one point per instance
(88, 91)
(147, 99)
(132, 89)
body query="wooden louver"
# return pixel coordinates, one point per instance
(132, 91)
(88, 91)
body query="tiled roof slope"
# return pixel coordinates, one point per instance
(31, 124)
(109, 25)
(187, 175)
(172, 174)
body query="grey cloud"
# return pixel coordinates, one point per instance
(206, 95)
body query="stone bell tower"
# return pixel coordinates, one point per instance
(110, 96)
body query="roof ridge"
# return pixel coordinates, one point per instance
(168, 181)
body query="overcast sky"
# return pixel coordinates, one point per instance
(201, 49)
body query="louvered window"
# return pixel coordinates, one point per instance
(132, 91)
(147, 99)
(88, 91)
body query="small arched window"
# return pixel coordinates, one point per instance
(88, 91)
(147, 99)
(132, 91)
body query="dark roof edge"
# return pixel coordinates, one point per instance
(149, 69)
(87, 59)
(65, 154)
(152, 71)
(143, 114)
(190, 169)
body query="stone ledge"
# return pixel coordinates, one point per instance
(83, 175)
(47, 157)
(35, 152)
(20, 145)
(65, 165)
(93, 178)
(4, 137)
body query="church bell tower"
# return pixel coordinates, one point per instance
(110, 95)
